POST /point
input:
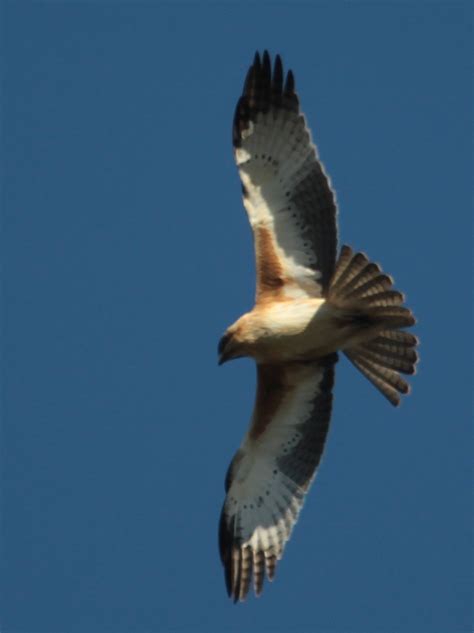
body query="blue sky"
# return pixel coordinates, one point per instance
(127, 252)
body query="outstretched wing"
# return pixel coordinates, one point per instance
(287, 194)
(270, 474)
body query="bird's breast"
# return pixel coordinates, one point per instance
(292, 330)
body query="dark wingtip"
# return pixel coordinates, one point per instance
(224, 551)
(264, 88)
(266, 62)
(278, 71)
(248, 80)
(232, 564)
(290, 83)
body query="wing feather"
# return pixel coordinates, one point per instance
(272, 471)
(287, 194)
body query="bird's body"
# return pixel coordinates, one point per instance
(309, 305)
(301, 329)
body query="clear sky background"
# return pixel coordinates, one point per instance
(127, 252)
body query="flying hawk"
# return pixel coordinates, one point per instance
(309, 305)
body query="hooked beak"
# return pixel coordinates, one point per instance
(230, 355)
(223, 358)
(222, 350)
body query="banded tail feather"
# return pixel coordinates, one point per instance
(360, 288)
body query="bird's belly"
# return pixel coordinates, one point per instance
(298, 331)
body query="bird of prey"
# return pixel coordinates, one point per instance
(310, 304)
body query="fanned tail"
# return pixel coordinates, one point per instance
(366, 294)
